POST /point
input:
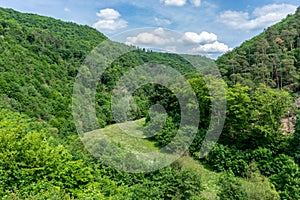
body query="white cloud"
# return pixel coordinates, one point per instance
(161, 22)
(234, 19)
(194, 38)
(165, 40)
(174, 2)
(196, 3)
(67, 10)
(108, 13)
(215, 47)
(110, 20)
(280, 9)
(157, 37)
(159, 32)
(171, 49)
(261, 17)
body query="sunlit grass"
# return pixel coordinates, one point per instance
(129, 135)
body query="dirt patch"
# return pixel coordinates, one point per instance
(287, 124)
(288, 121)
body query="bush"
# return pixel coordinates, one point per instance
(231, 188)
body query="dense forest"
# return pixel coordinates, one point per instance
(271, 58)
(43, 157)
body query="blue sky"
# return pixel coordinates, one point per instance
(207, 27)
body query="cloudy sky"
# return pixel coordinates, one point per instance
(207, 27)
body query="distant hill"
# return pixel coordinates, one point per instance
(273, 57)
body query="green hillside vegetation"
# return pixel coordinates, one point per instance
(271, 58)
(42, 156)
(37, 165)
(40, 58)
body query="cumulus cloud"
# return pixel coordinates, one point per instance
(108, 13)
(216, 47)
(260, 18)
(174, 2)
(165, 40)
(157, 37)
(110, 20)
(194, 38)
(160, 22)
(146, 38)
(196, 3)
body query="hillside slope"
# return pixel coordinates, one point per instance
(272, 58)
(40, 58)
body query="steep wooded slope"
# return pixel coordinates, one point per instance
(273, 57)
(40, 58)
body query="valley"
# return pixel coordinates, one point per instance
(44, 156)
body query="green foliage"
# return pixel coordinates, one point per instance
(46, 55)
(254, 117)
(271, 58)
(239, 113)
(169, 183)
(231, 188)
(33, 167)
(287, 179)
(223, 158)
(164, 136)
(281, 169)
(294, 146)
(39, 60)
(259, 187)
(42, 191)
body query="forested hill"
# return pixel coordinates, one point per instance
(273, 57)
(40, 58)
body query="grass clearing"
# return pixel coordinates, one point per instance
(130, 135)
